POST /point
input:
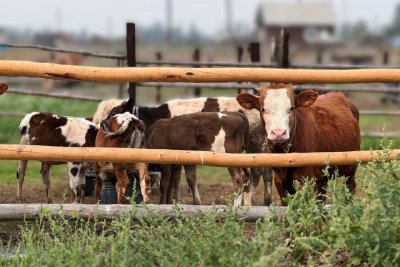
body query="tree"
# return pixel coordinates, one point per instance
(394, 28)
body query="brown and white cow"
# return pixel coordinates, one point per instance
(121, 130)
(47, 129)
(305, 122)
(149, 115)
(225, 132)
(3, 88)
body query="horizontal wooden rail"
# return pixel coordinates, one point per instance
(173, 74)
(360, 89)
(16, 212)
(193, 63)
(48, 153)
(379, 113)
(53, 95)
(380, 134)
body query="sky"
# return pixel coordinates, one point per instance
(108, 17)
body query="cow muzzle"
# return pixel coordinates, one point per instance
(278, 135)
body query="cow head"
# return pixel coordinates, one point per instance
(277, 105)
(125, 124)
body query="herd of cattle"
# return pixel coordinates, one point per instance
(276, 120)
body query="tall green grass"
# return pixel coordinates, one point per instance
(356, 230)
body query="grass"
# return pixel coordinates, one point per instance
(362, 230)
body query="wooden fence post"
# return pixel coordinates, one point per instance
(196, 58)
(280, 55)
(254, 50)
(284, 59)
(158, 88)
(239, 53)
(131, 56)
(120, 85)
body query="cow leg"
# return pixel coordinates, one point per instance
(176, 182)
(99, 182)
(164, 183)
(145, 181)
(74, 169)
(239, 179)
(283, 178)
(267, 177)
(82, 184)
(190, 171)
(98, 187)
(20, 177)
(45, 171)
(122, 183)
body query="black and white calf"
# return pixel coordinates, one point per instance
(149, 115)
(47, 129)
(225, 132)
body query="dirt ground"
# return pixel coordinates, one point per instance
(209, 193)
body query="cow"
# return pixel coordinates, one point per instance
(47, 129)
(3, 88)
(225, 132)
(177, 107)
(121, 130)
(305, 122)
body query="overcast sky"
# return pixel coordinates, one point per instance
(109, 16)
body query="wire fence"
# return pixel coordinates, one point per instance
(196, 63)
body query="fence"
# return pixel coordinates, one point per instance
(29, 69)
(198, 75)
(28, 212)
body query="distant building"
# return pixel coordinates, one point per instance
(308, 23)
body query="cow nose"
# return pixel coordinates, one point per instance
(278, 133)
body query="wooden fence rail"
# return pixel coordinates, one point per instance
(199, 64)
(16, 212)
(171, 74)
(52, 95)
(359, 89)
(48, 153)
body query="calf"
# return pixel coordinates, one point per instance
(204, 131)
(47, 129)
(121, 130)
(305, 122)
(173, 108)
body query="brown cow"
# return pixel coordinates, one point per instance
(3, 88)
(306, 122)
(121, 130)
(223, 132)
(177, 107)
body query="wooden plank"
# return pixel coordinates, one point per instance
(16, 212)
(174, 74)
(164, 156)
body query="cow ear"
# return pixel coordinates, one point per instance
(129, 105)
(305, 98)
(141, 126)
(248, 101)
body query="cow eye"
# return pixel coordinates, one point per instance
(262, 109)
